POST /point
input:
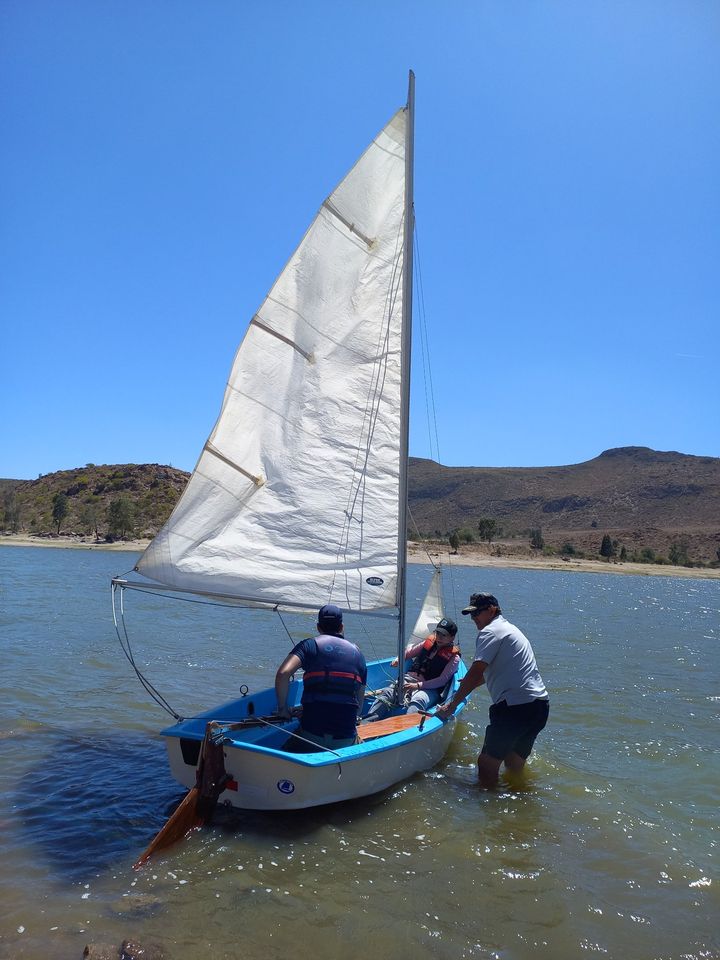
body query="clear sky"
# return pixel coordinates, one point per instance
(160, 160)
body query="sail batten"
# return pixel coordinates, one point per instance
(295, 497)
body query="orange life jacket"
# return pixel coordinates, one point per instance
(432, 659)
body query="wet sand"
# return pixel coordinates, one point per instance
(467, 556)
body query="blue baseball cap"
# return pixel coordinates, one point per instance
(330, 616)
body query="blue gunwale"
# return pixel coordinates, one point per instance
(233, 710)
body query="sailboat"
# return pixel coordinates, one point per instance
(299, 496)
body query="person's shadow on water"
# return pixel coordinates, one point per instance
(92, 802)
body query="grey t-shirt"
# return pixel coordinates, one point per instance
(512, 673)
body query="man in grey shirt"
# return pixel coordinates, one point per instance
(505, 661)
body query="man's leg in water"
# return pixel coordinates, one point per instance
(488, 771)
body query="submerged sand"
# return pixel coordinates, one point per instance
(467, 556)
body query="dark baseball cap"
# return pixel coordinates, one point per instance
(446, 626)
(330, 616)
(480, 601)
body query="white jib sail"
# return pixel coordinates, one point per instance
(294, 499)
(431, 612)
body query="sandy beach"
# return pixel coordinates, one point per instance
(467, 556)
(72, 543)
(476, 556)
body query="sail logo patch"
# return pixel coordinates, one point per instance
(375, 581)
(286, 786)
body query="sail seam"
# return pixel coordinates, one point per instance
(256, 322)
(351, 226)
(258, 481)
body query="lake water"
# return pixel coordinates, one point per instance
(610, 850)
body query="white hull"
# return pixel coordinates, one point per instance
(267, 778)
(266, 781)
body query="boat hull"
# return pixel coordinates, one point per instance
(264, 777)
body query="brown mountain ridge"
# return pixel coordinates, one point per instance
(642, 498)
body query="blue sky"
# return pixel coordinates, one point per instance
(161, 160)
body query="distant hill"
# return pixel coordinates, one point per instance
(641, 497)
(152, 489)
(635, 493)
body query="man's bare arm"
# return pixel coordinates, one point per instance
(290, 665)
(475, 677)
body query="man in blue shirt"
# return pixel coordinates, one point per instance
(505, 661)
(334, 680)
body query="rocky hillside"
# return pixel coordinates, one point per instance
(641, 496)
(90, 492)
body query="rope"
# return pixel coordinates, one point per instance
(290, 637)
(370, 416)
(436, 566)
(124, 640)
(269, 723)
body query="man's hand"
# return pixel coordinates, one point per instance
(445, 710)
(411, 686)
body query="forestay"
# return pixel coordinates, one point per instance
(295, 496)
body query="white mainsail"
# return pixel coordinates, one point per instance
(295, 497)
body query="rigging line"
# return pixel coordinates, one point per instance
(436, 566)
(452, 588)
(305, 740)
(424, 316)
(393, 292)
(279, 613)
(370, 413)
(381, 376)
(355, 478)
(126, 648)
(373, 419)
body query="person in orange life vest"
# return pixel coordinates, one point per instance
(334, 680)
(434, 663)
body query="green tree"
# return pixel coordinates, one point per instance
(60, 509)
(536, 539)
(90, 518)
(607, 548)
(11, 512)
(454, 541)
(678, 554)
(487, 528)
(121, 517)
(623, 554)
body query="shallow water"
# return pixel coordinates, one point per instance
(610, 848)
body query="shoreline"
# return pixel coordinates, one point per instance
(433, 553)
(470, 557)
(71, 543)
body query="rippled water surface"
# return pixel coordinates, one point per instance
(609, 849)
